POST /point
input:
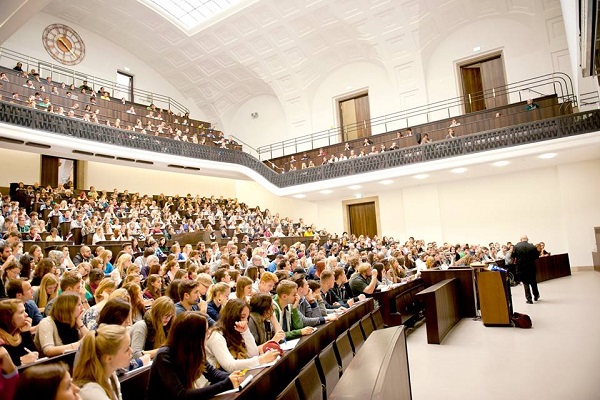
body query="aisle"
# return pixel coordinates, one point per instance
(559, 358)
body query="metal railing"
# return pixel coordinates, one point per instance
(59, 73)
(548, 129)
(558, 83)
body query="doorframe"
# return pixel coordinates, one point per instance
(462, 62)
(336, 100)
(346, 212)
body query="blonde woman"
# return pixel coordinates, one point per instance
(150, 333)
(102, 353)
(217, 297)
(62, 329)
(121, 266)
(47, 291)
(106, 287)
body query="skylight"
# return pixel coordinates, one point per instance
(189, 15)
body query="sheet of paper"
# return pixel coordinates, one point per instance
(288, 345)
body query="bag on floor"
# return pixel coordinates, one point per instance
(521, 320)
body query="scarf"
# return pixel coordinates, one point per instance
(67, 333)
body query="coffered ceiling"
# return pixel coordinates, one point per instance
(283, 48)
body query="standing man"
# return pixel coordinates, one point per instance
(526, 254)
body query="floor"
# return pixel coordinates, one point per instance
(559, 358)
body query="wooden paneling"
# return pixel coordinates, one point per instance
(466, 293)
(441, 309)
(379, 370)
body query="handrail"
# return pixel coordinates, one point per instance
(60, 73)
(557, 83)
(532, 132)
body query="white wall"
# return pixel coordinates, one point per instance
(147, 181)
(103, 58)
(269, 127)
(557, 205)
(19, 166)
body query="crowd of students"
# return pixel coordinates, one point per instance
(84, 103)
(203, 316)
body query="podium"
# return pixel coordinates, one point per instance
(494, 298)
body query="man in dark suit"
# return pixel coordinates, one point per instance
(526, 254)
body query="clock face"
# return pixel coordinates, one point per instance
(63, 44)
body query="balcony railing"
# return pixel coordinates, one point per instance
(548, 129)
(558, 84)
(60, 73)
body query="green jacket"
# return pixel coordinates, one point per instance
(294, 326)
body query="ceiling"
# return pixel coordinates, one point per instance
(281, 48)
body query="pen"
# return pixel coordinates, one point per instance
(27, 350)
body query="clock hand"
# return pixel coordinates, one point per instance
(66, 46)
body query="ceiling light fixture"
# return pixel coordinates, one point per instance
(421, 176)
(502, 163)
(547, 156)
(326, 191)
(387, 182)
(354, 187)
(299, 196)
(460, 170)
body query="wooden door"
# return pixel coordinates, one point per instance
(472, 88)
(355, 117)
(492, 78)
(362, 219)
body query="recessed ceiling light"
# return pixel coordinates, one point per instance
(387, 182)
(421, 176)
(458, 170)
(299, 196)
(354, 187)
(502, 163)
(547, 155)
(326, 191)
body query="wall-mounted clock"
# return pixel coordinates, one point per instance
(63, 44)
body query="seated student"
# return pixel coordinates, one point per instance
(15, 333)
(62, 330)
(531, 105)
(9, 375)
(180, 369)
(285, 307)
(364, 280)
(149, 334)
(243, 289)
(262, 322)
(70, 282)
(340, 292)
(308, 306)
(118, 312)
(217, 297)
(189, 296)
(21, 289)
(50, 381)
(230, 344)
(103, 292)
(102, 353)
(47, 291)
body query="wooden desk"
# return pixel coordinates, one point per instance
(552, 267)
(379, 370)
(269, 382)
(441, 309)
(466, 293)
(134, 383)
(387, 301)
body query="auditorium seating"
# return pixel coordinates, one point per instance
(511, 114)
(308, 382)
(110, 110)
(356, 337)
(330, 369)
